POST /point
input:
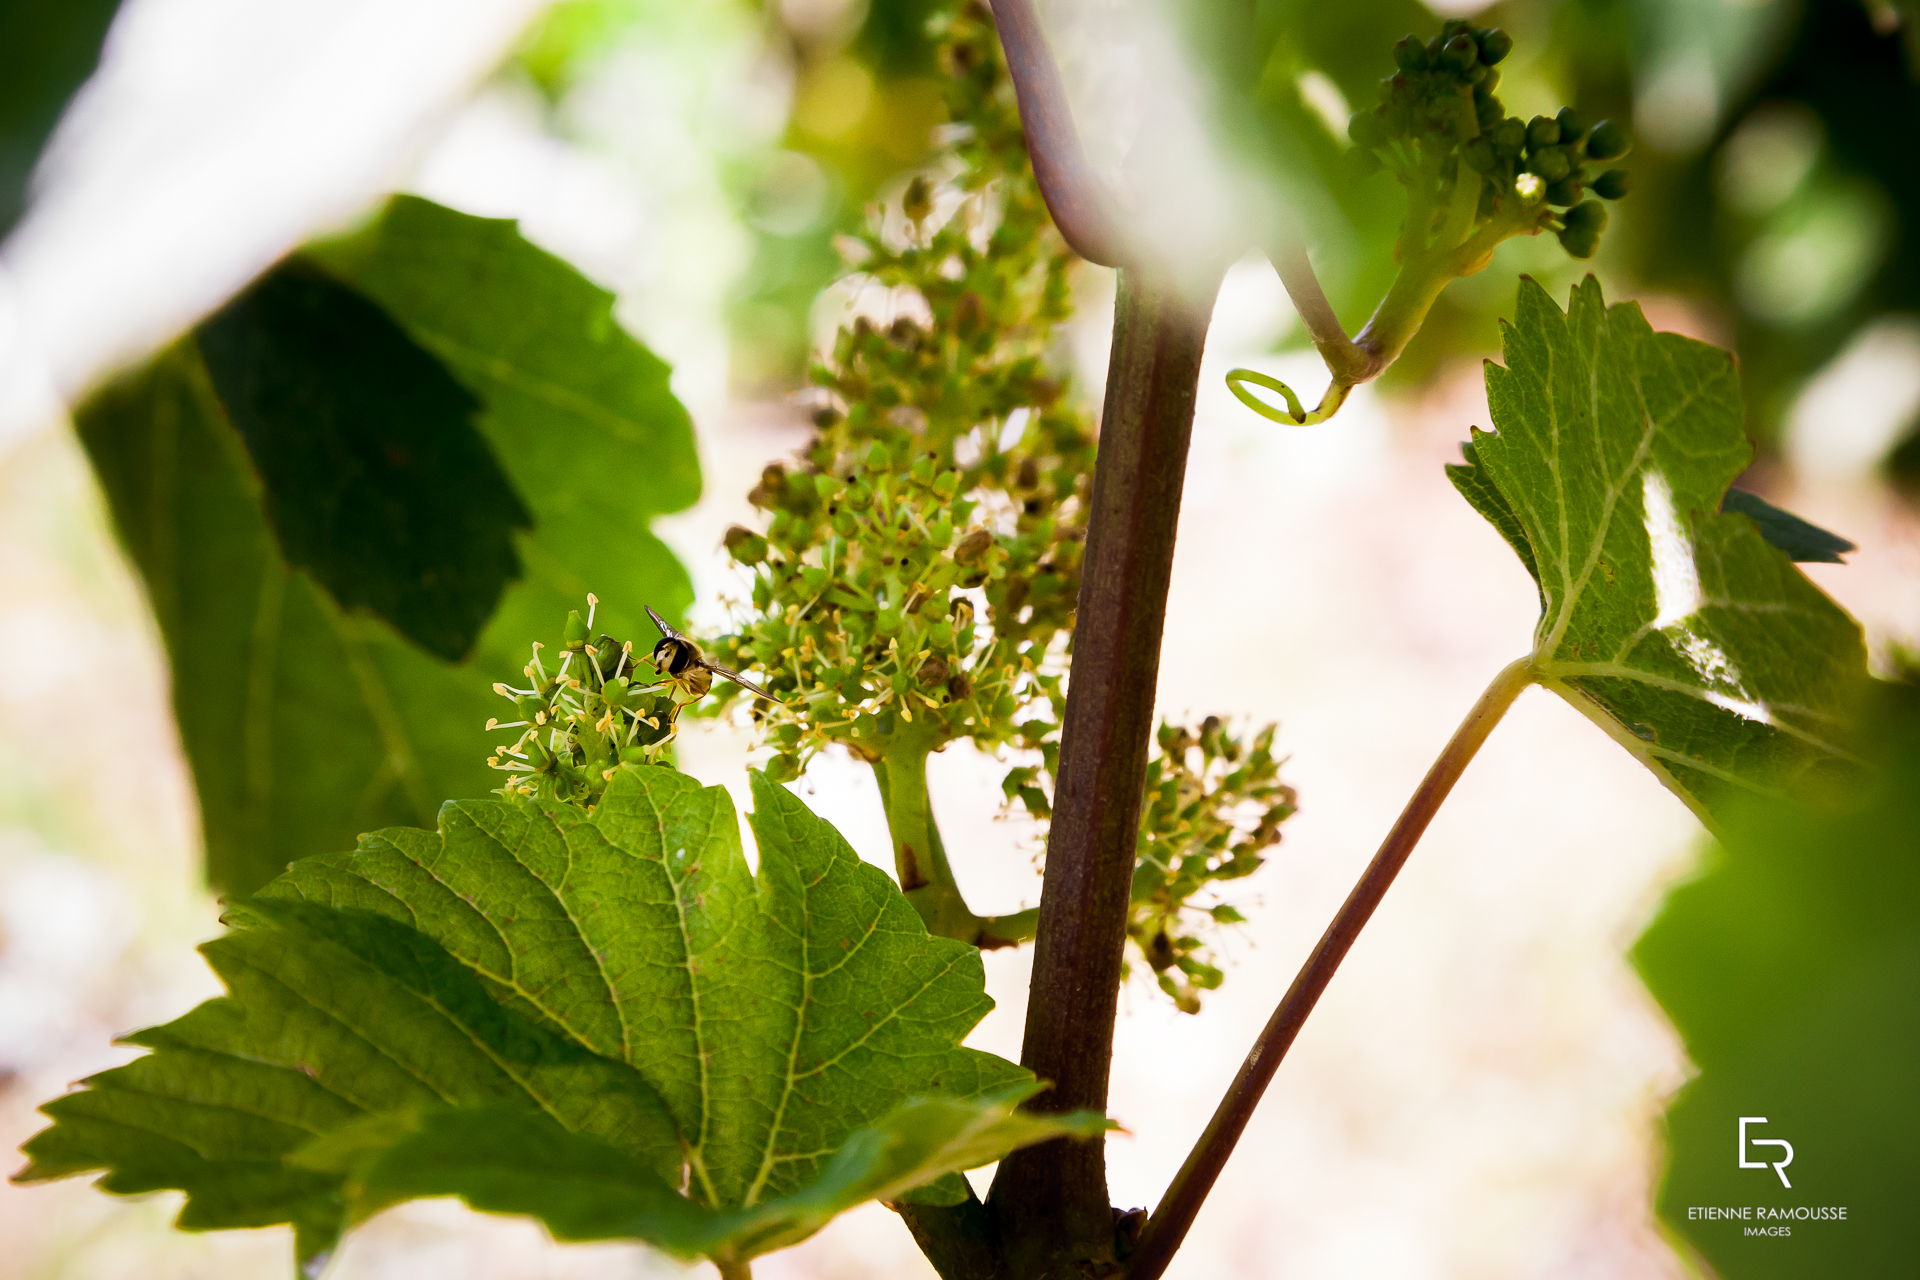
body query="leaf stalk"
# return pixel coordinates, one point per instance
(1168, 1225)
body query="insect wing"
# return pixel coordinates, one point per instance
(661, 623)
(740, 680)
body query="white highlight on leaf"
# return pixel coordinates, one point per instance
(1677, 597)
(1676, 579)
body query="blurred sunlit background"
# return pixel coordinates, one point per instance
(1478, 1094)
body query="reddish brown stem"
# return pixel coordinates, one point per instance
(1082, 206)
(1051, 1200)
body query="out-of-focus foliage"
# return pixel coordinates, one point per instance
(1770, 188)
(305, 718)
(1790, 967)
(47, 49)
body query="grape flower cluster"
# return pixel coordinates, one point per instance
(1474, 174)
(594, 710)
(917, 566)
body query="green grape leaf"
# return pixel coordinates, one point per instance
(374, 479)
(582, 1188)
(1680, 630)
(654, 1015)
(306, 722)
(1790, 968)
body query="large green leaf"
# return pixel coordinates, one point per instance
(306, 721)
(1679, 629)
(373, 477)
(569, 1014)
(1791, 968)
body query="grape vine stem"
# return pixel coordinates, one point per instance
(1168, 1225)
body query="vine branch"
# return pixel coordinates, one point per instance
(1170, 1221)
(1051, 1200)
(1081, 204)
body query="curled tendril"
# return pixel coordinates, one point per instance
(1294, 415)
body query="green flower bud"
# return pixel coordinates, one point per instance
(1567, 191)
(782, 768)
(744, 545)
(1608, 141)
(573, 637)
(1478, 155)
(973, 546)
(1509, 137)
(917, 203)
(1542, 131)
(1410, 54)
(1573, 125)
(877, 457)
(1612, 184)
(1459, 53)
(1495, 44)
(1589, 216)
(1551, 163)
(1579, 242)
(1487, 112)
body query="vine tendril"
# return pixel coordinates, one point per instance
(1295, 415)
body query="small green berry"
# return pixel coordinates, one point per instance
(1542, 131)
(1410, 54)
(1567, 191)
(1495, 45)
(1573, 125)
(1510, 137)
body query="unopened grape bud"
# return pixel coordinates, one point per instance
(1459, 53)
(745, 546)
(917, 203)
(1608, 141)
(1612, 184)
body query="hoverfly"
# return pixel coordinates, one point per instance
(687, 669)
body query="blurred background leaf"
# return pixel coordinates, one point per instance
(373, 477)
(1790, 967)
(305, 720)
(47, 49)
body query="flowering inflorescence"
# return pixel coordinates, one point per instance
(594, 711)
(1474, 174)
(917, 572)
(915, 576)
